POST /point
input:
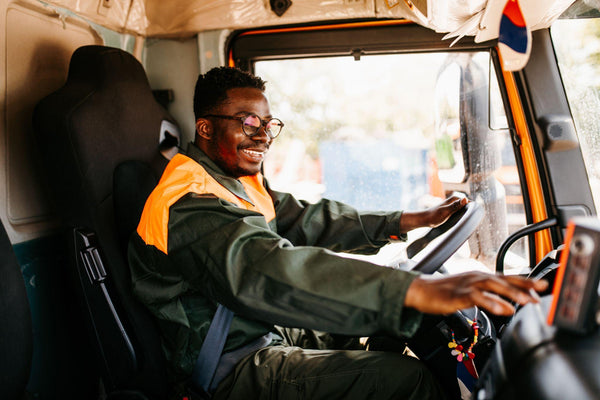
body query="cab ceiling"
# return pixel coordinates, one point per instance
(183, 18)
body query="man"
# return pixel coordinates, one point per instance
(213, 232)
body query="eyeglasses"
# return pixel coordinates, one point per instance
(251, 124)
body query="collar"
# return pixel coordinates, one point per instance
(230, 183)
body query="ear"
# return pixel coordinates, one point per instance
(204, 128)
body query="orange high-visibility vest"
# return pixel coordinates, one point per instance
(183, 175)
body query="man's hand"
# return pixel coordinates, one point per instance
(433, 216)
(445, 295)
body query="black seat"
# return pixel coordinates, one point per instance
(104, 130)
(16, 336)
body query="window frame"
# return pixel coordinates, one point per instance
(348, 39)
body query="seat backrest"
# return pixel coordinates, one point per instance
(16, 337)
(133, 182)
(103, 116)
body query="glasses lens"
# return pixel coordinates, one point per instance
(251, 124)
(274, 127)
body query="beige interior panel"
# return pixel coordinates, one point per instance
(112, 14)
(38, 50)
(191, 16)
(162, 58)
(184, 18)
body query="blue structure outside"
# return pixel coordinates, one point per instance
(374, 175)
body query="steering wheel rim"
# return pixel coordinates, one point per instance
(456, 230)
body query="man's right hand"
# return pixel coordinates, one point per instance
(445, 295)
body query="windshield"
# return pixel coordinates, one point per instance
(398, 132)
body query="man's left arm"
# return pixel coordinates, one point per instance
(339, 227)
(334, 225)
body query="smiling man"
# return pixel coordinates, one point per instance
(242, 152)
(213, 232)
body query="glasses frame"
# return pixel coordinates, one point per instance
(263, 123)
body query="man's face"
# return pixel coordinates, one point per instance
(236, 153)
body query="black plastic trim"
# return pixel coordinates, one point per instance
(525, 231)
(560, 159)
(247, 47)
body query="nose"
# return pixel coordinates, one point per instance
(262, 136)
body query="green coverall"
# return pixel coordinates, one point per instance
(283, 273)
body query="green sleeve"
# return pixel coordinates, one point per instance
(334, 225)
(230, 255)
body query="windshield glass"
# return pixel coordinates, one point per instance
(398, 132)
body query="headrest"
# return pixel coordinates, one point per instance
(103, 115)
(107, 67)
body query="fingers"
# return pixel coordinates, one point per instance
(492, 303)
(538, 285)
(457, 204)
(515, 288)
(502, 286)
(456, 201)
(491, 292)
(460, 203)
(433, 216)
(452, 201)
(439, 214)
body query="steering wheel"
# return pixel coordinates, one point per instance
(435, 330)
(450, 236)
(453, 233)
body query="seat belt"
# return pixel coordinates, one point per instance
(212, 347)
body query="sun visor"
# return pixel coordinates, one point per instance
(479, 18)
(538, 14)
(439, 15)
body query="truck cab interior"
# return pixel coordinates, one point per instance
(387, 105)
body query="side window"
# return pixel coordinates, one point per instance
(577, 44)
(393, 132)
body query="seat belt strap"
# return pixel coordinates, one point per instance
(212, 347)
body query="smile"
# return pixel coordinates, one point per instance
(256, 155)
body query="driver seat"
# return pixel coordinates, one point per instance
(104, 142)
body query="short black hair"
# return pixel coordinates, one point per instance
(211, 88)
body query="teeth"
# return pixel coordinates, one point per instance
(254, 153)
